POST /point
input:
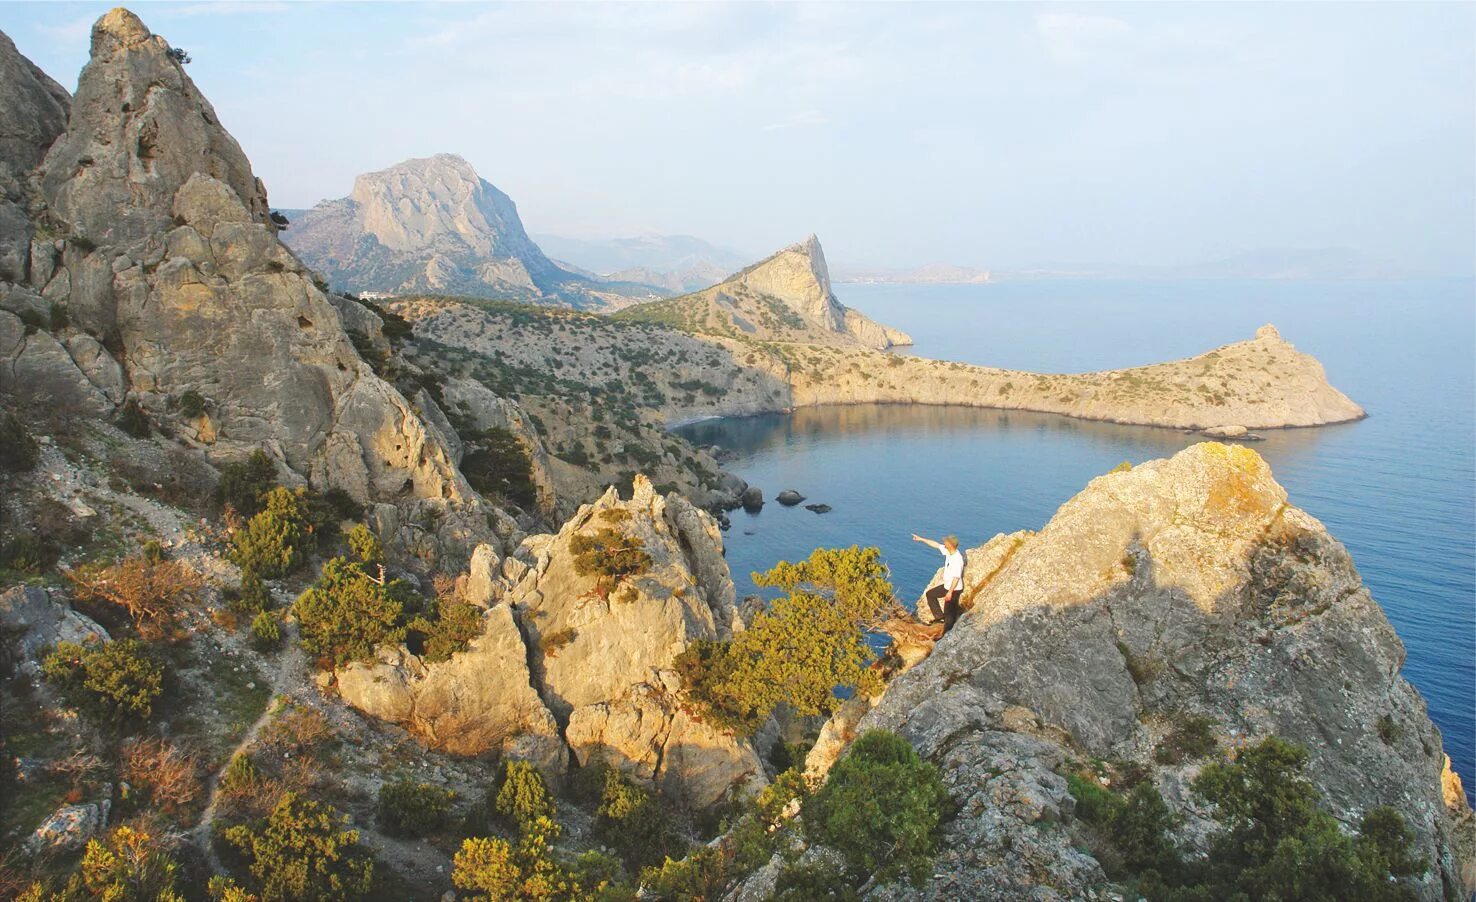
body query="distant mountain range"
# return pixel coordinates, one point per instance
(677, 263)
(931, 274)
(433, 225)
(1273, 264)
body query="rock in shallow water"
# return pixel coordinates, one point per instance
(789, 498)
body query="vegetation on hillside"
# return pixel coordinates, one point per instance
(801, 649)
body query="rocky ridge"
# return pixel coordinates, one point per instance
(434, 225)
(1182, 587)
(785, 297)
(560, 668)
(154, 266)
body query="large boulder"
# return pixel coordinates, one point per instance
(479, 701)
(1181, 587)
(604, 664)
(37, 622)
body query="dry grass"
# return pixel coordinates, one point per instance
(169, 775)
(151, 591)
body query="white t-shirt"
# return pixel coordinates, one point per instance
(953, 566)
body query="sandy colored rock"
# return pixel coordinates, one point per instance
(604, 664)
(479, 701)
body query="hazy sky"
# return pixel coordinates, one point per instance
(997, 135)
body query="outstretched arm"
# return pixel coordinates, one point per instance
(929, 542)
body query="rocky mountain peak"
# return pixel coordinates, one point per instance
(411, 205)
(118, 29)
(139, 129)
(433, 225)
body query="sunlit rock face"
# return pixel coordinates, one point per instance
(1187, 586)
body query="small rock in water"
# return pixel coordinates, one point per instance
(753, 499)
(818, 508)
(789, 498)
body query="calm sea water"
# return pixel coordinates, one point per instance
(1396, 488)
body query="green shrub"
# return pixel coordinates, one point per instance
(523, 796)
(498, 466)
(132, 420)
(365, 545)
(266, 632)
(1191, 738)
(111, 682)
(244, 483)
(408, 808)
(191, 404)
(812, 881)
(348, 614)
(448, 627)
(799, 650)
(27, 552)
(272, 542)
(495, 871)
(701, 875)
(1095, 803)
(304, 850)
(18, 451)
(129, 864)
(880, 809)
(253, 596)
(1274, 842)
(610, 556)
(61, 317)
(630, 820)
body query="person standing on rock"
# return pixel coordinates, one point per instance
(943, 598)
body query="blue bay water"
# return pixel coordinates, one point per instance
(1398, 489)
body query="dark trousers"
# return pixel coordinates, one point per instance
(944, 605)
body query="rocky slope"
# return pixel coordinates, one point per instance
(602, 391)
(785, 297)
(434, 225)
(1182, 587)
(155, 272)
(560, 668)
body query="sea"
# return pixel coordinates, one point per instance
(1398, 488)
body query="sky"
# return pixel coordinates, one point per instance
(997, 135)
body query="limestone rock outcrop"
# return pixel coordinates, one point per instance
(479, 701)
(433, 225)
(558, 663)
(38, 622)
(604, 663)
(173, 279)
(33, 111)
(784, 297)
(1187, 586)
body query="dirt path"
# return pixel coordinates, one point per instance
(287, 675)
